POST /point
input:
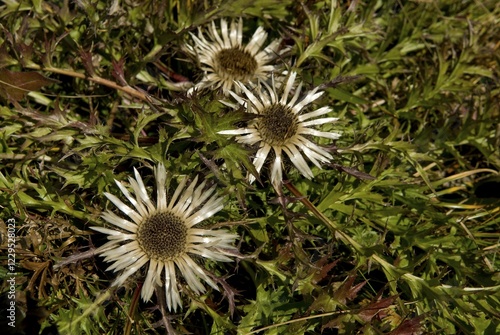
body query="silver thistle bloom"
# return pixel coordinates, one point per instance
(282, 126)
(163, 236)
(225, 59)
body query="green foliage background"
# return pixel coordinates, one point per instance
(412, 250)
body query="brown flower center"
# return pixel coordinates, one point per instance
(277, 125)
(235, 64)
(162, 236)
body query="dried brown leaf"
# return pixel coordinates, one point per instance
(229, 293)
(367, 313)
(353, 292)
(15, 85)
(336, 323)
(347, 292)
(5, 58)
(353, 172)
(343, 291)
(409, 327)
(323, 273)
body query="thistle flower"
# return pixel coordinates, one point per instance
(280, 125)
(226, 59)
(163, 236)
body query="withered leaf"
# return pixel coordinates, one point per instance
(353, 292)
(325, 268)
(353, 172)
(5, 58)
(409, 327)
(335, 323)
(343, 291)
(15, 85)
(368, 312)
(347, 292)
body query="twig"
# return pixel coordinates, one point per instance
(131, 310)
(96, 79)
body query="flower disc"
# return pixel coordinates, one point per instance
(162, 236)
(235, 64)
(277, 125)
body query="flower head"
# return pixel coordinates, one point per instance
(281, 125)
(163, 236)
(225, 59)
